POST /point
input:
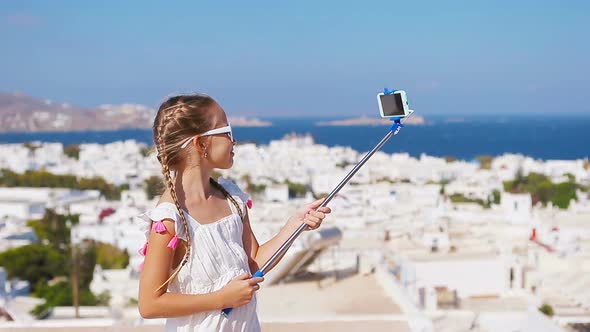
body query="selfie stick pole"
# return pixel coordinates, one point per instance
(395, 128)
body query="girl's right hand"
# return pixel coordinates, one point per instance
(240, 290)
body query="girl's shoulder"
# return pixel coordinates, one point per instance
(164, 210)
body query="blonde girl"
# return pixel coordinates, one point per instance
(200, 250)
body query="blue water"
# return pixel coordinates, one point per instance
(464, 137)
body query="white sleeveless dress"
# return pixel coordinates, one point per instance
(217, 256)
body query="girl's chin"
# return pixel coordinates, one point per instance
(229, 164)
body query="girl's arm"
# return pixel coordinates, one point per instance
(157, 266)
(258, 255)
(156, 270)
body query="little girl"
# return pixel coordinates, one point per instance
(200, 250)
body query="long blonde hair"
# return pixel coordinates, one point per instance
(179, 118)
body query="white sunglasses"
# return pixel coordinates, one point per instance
(222, 130)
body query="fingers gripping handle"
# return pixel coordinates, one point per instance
(258, 273)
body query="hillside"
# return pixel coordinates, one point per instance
(22, 113)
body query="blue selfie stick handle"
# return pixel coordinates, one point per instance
(258, 273)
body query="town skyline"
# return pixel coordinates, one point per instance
(441, 248)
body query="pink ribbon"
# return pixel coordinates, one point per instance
(143, 250)
(159, 227)
(173, 242)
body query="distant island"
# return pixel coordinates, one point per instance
(367, 121)
(245, 122)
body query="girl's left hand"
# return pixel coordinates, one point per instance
(310, 216)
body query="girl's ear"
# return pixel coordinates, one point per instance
(201, 144)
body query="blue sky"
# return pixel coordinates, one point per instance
(316, 58)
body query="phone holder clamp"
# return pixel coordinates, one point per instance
(397, 124)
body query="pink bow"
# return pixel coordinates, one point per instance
(173, 242)
(159, 227)
(143, 250)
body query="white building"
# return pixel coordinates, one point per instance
(517, 207)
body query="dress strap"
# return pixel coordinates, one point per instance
(238, 194)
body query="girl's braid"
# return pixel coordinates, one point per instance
(163, 157)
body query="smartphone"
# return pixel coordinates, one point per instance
(393, 105)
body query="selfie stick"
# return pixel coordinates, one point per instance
(395, 128)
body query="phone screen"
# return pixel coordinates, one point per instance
(392, 104)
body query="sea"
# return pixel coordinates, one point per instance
(462, 137)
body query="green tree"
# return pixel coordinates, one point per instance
(109, 191)
(547, 309)
(450, 159)
(60, 294)
(87, 256)
(496, 197)
(257, 188)
(45, 179)
(34, 263)
(48, 266)
(154, 186)
(8, 178)
(516, 185)
(111, 257)
(570, 177)
(485, 161)
(460, 198)
(54, 233)
(52, 229)
(543, 190)
(296, 189)
(72, 151)
(564, 193)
